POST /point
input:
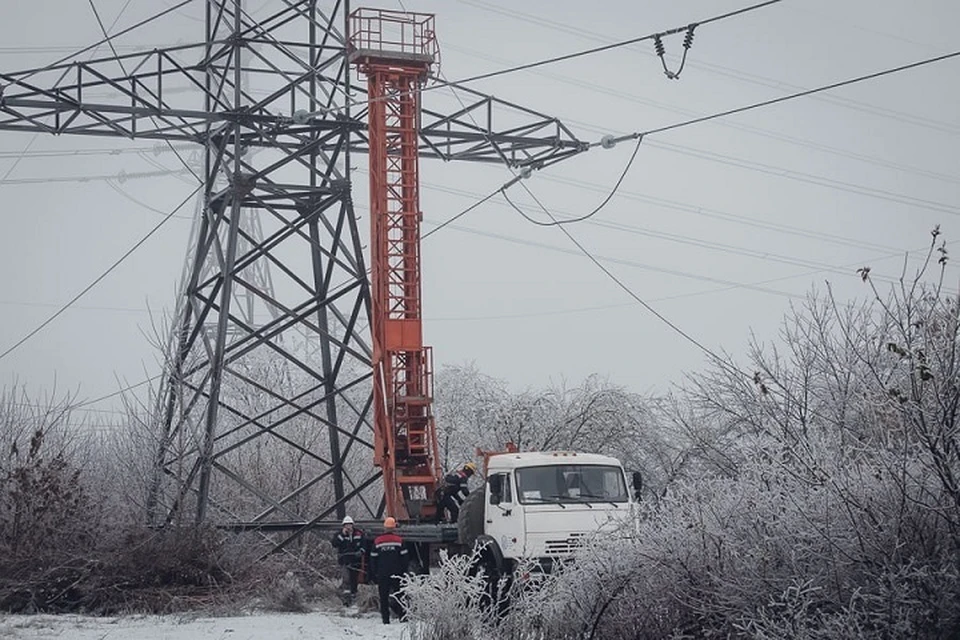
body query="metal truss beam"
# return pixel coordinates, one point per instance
(265, 415)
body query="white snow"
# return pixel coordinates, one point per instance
(267, 626)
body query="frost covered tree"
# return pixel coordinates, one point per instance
(596, 415)
(809, 491)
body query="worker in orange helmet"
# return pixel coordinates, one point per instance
(389, 561)
(453, 490)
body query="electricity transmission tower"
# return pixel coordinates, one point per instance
(265, 413)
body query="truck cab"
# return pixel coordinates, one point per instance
(541, 506)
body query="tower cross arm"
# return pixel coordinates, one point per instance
(489, 129)
(152, 94)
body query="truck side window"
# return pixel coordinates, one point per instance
(506, 491)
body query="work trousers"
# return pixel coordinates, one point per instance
(389, 589)
(450, 502)
(349, 576)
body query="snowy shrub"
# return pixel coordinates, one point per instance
(817, 497)
(451, 603)
(287, 594)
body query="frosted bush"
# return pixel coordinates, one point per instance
(449, 603)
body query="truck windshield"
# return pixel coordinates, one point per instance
(571, 484)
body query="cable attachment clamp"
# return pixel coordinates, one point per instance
(661, 50)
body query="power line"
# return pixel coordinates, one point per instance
(676, 109)
(638, 299)
(809, 178)
(615, 45)
(587, 216)
(32, 72)
(131, 387)
(717, 69)
(461, 214)
(818, 267)
(604, 143)
(757, 105)
(101, 276)
(678, 296)
(763, 255)
(632, 263)
(123, 68)
(29, 144)
(693, 209)
(800, 94)
(565, 57)
(122, 176)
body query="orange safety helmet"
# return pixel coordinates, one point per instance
(390, 523)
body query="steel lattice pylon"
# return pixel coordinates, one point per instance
(266, 410)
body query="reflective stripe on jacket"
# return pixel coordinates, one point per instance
(388, 556)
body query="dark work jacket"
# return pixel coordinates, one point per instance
(349, 547)
(456, 483)
(388, 557)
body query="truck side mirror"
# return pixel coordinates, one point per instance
(637, 484)
(496, 488)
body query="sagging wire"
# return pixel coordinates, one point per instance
(607, 143)
(660, 49)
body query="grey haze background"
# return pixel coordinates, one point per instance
(721, 226)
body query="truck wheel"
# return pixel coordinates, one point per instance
(498, 575)
(470, 520)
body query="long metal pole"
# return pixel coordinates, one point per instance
(226, 293)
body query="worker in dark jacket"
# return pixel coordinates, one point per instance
(349, 545)
(388, 561)
(454, 489)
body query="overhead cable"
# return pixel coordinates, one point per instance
(32, 72)
(689, 338)
(603, 203)
(116, 55)
(743, 76)
(553, 60)
(800, 94)
(87, 403)
(112, 267)
(609, 141)
(616, 45)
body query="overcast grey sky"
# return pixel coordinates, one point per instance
(721, 226)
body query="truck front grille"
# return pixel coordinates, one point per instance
(564, 547)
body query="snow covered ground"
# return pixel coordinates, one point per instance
(266, 626)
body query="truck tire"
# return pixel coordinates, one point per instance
(470, 520)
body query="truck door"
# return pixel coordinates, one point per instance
(504, 521)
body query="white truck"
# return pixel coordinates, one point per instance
(540, 506)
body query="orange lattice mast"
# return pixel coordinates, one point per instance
(395, 51)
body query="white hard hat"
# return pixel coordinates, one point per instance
(347, 520)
